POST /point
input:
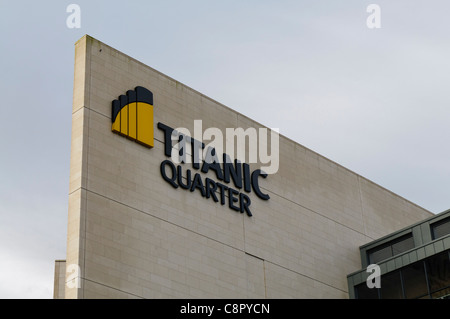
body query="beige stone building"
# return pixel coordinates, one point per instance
(132, 234)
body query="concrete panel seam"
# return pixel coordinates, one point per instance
(362, 206)
(87, 164)
(315, 212)
(303, 275)
(265, 281)
(164, 220)
(110, 287)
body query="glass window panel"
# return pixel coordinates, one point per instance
(391, 287)
(438, 271)
(364, 292)
(441, 228)
(404, 244)
(379, 254)
(441, 294)
(414, 280)
(392, 248)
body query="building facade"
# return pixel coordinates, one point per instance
(142, 225)
(414, 263)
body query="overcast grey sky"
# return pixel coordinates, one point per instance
(376, 101)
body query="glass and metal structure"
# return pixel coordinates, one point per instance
(414, 263)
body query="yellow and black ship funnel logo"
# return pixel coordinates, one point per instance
(132, 116)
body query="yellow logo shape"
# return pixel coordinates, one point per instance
(132, 116)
